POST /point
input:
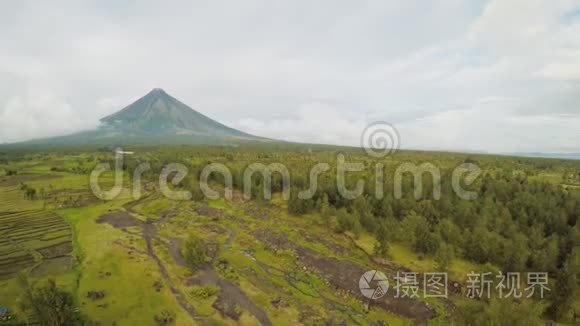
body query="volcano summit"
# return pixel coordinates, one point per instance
(156, 118)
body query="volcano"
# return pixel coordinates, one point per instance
(158, 113)
(154, 119)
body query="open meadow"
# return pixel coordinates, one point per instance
(273, 261)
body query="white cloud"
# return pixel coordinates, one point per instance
(492, 127)
(565, 71)
(313, 123)
(498, 76)
(39, 114)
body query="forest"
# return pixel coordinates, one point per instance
(524, 218)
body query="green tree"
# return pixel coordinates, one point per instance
(408, 227)
(194, 253)
(30, 193)
(385, 209)
(382, 245)
(325, 211)
(450, 233)
(343, 220)
(515, 253)
(356, 228)
(444, 257)
(296, 205)
(500, 312)
(564, 292)
(426, 241)
(363, 213)
(49, 305)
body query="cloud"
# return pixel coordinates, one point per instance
(314, 123)
(302, 71)
(568, 71)
(492, 126)
(39, 114)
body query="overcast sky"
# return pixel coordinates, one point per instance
(495, 76)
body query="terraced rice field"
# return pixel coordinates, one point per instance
(31, 237)
(12, 200)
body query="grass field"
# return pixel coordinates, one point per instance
(263, 264)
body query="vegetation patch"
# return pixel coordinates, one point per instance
(30, 234)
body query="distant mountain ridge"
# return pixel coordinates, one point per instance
(156, 118)
(569, 156)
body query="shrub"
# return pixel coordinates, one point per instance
(49, 304)
(204, 292)
(194, 253)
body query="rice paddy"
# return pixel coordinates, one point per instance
(30, 237)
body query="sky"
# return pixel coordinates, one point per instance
(493, 76)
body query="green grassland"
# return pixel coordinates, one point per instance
(264, 262)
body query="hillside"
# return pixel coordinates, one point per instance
(128, 261)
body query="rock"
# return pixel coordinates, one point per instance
(157, 286)
(278, 302)
(96, 295)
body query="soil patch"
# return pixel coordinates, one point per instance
(123, 220)
(57, 250)
(345, 275)
(120, 220)
(14, 180)
(230, 296)
(174, 249)
(258, 212)
(338, 249)
(210, 212)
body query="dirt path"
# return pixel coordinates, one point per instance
(345, 275)
(149, 232)
(290, 279)
(230, 296)
(231, 237)
(174, 249)
(123, 220)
